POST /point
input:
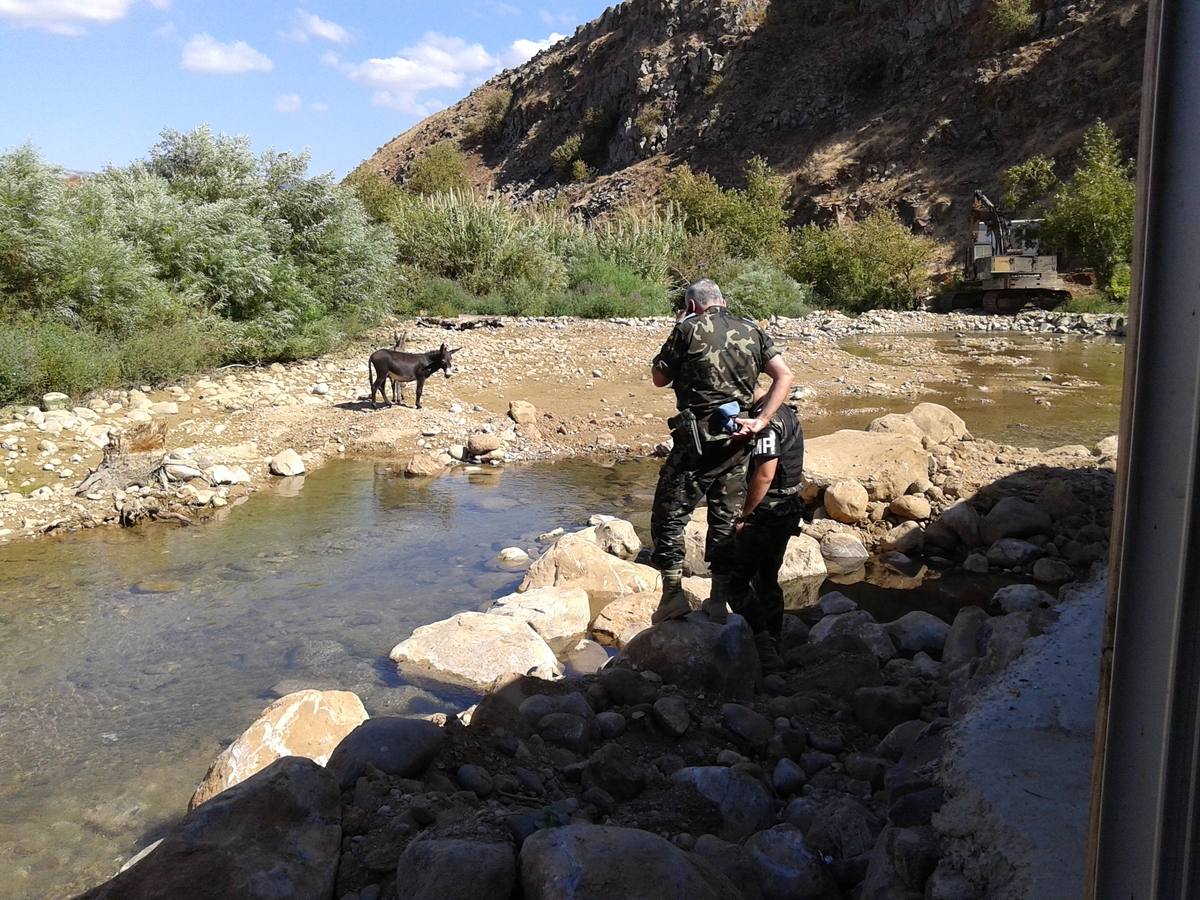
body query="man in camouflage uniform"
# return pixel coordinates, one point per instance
(710, 359)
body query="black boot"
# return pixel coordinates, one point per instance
(716, 607)
(674, 603)
(768, 652)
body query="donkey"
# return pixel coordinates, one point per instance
(399, 367)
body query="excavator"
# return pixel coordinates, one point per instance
(1005, 271)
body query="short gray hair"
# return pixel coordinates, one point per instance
(705, 293)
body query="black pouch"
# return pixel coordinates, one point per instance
(685, 430)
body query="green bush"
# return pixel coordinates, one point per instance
(442, 170)
(488, 122)
(1091, 215)
(761, 289)
(566, 154)
(581, 171)
(602, 288)
(751, 220)
(1027, 186)
(648, 120)
(876, 263)
(1120, 285)
(441, 297)
(1010, 21)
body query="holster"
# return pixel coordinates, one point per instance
(685, 429)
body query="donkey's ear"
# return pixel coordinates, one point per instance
(443, 346)
(452, 352)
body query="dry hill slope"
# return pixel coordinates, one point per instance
(859, 102)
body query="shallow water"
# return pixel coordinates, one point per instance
(131, 656)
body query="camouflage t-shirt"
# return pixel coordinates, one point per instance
(712, 358)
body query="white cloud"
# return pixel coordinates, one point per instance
(524, 50)
(63, 16)
(499, 8)
(166, 31)
(319, 107)
(438, 62)
(310, 25)
(287, 103)
(203, 53)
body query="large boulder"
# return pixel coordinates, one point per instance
(1008, 553)
(584, 564)
(802, 560)
(886, 464)
(618, 537)
(896, 423)
(846, 501)
(394, 745)
(456, 869)
(918, 631)
(698, 654)
(843, 553)
(306, 723)
(962, 641)
(957, 526)
(276, 834)
(1013, 517)
(860, 624)
(941, 425)
(741, 800)
(603, 862)
(626, 617)
(787, 868)
(474, 649)
(558, 614)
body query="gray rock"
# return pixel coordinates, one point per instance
(958, 525)
(742, 801)
(276, 834)
(1011, 552)
(396, 746)
(287, 464)
(476, 779)
(1013, 517)
(699, 654)
(834, 603)
(566, 730)
(610, 724)
(801, 812)
(860, 624)
(746, 724)
(731, 861)
(843, 553)
(612, 769)
(671, 715)
(962, 641)
(626, 687)
(900, 738)
(448, 869)
(601, 862)
(918, 631)
(903, 858)
(1001, 640)
(1022, 598)
(1052, 571)
(976, 564)
(787, 778)
(843, 828)
(787, 867)
(880, 709)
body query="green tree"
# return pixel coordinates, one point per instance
(1010, 21)
(1091, 215)
(442, 170)
(1028, 185)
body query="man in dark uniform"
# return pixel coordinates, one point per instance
(713, 361)
(769, 518)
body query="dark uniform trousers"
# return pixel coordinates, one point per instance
(755, 593)
(719, 476)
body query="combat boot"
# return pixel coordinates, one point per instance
(768, 652)
(674, 603)
(716, 607)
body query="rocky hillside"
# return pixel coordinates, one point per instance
(859, 102)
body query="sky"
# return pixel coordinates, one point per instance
(93, 82)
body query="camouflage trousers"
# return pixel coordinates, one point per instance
(719, 476)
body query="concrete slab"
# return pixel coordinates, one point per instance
(1018, 765)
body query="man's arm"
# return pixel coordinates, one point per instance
(665, 366)
(760, 483)
(781, 385)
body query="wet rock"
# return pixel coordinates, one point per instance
(287, 464)
(307, 723)
(940, 425)
(846, 501)
(449, 869)
(559, 615)
(918, 631)
(396, 746)
(746, 724)
(843, 553)
(742, 801)
(787, 867)
(276, 834)
(619, 538)
(910, 506)
(880, 709)
(422, 465)
(671, 715)
(475, 649)
(843, 828)
(860, 624)
(1011, 552)
(583, 564)
(1021, 598)
(962, 639)
(601, 862)
(1013, 517)
(614, 770)
(699, 654)
(1052, 571)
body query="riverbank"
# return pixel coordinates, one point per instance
(207, 442)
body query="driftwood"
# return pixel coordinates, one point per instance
(128, 460)
(461, 324)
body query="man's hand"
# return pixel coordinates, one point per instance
(748, 428)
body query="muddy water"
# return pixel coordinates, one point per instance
(130, 657)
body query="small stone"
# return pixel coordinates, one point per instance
(482, 443)
(671, 714)
(745, 723)
(522, 412)
(1053, 571)
(788, 778)
(846, 501)
(287, 464)
(1021, 598)
(54, 401)
(911, 507)
(976, 564)
(476, 779)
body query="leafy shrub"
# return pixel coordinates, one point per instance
(648, 120)
(581, 171)
(876, 263)
(1029, 184)
(377, 193)
(750, 220)
(1091, 215)
(1010, 21)
(566, 154)
(1120, 285)
(761, 289)
(441, 297)
(488, 123)
(644, 240)
(601, 288)
(442, 170)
